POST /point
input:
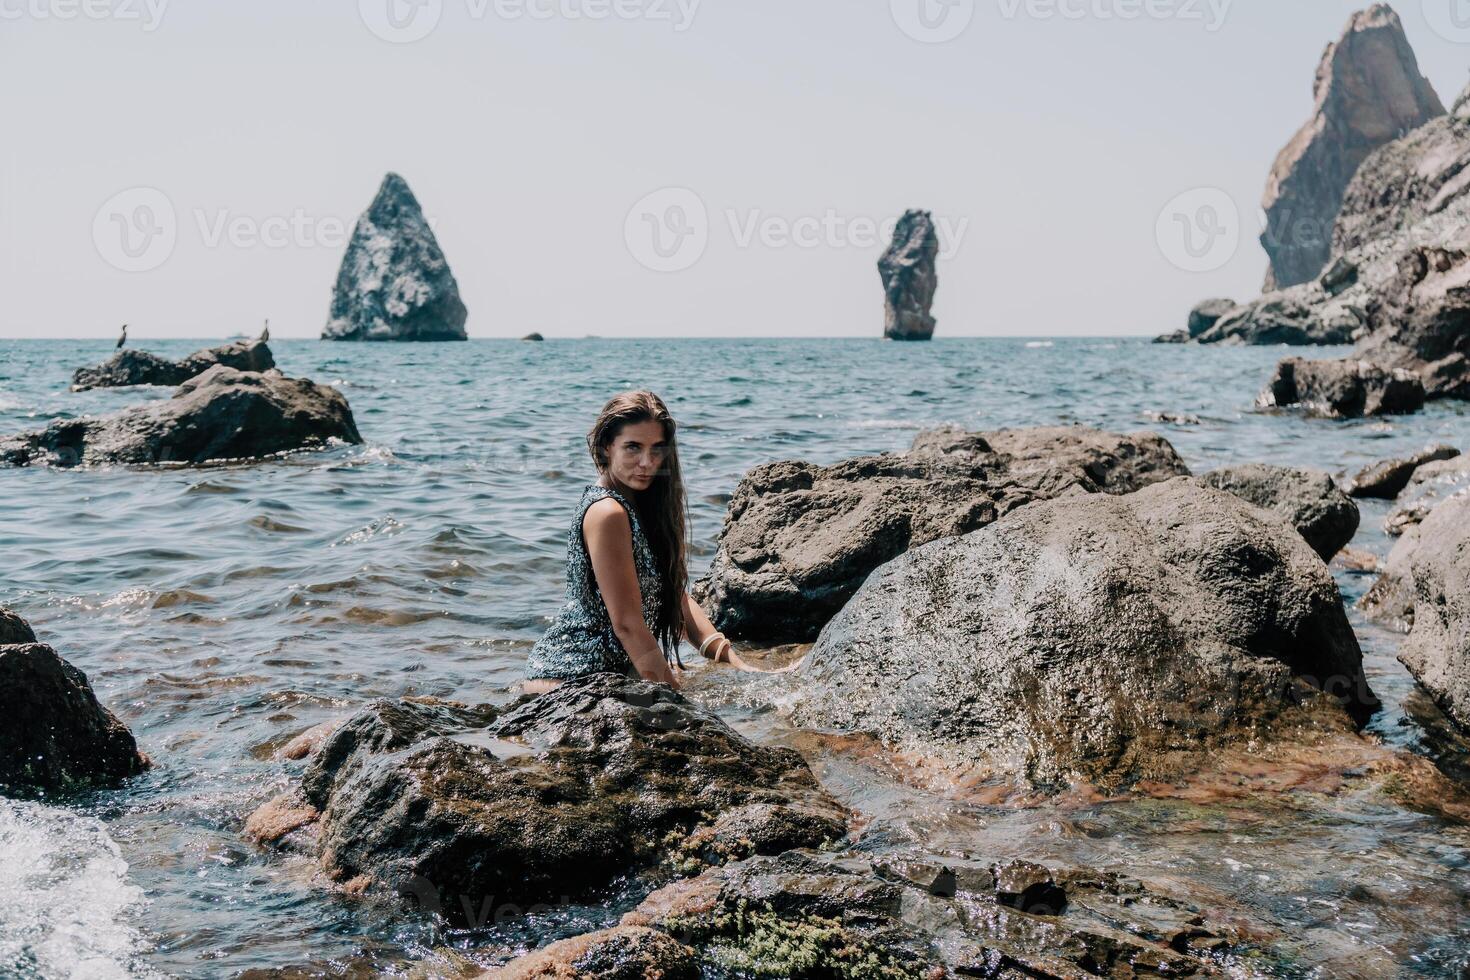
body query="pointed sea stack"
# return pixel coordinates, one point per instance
(394, 283)
(1369, 92)
(909, 278)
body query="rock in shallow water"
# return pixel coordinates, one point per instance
(1094, 638)
(799, 539)
(54, 735)
(138, 367)
(1386, 479)
(1437, 651)
(395, 283)
(1347, 388)
(222, 414)
(1308, 500)
(470, 811)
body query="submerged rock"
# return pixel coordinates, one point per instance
(470, 811)
(1347, 388)
(394, 283)
(1386, 479)
(799, 539)
(1437, 650)
(138, 367)
(621, 953)
(1099, 638)
(1369, 91)
(1308, 500)
(222, 414)
(920, 917)
(54, 734)
(910, 278)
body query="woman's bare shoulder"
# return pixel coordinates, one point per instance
(607, 515)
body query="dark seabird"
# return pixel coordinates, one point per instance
(266, 333)
(124, 338)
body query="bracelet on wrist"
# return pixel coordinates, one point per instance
(704, 647)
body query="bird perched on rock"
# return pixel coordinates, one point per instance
(124, 338)
(266, 333)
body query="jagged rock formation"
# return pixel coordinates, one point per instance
(1092, 638)
(138, 367)
(394, 283)
(557, 796)
(54, 735)
(222, 414)
(1368, 92)
(1308, 500)
(799, 539)
(910, 278)
(1348, 388)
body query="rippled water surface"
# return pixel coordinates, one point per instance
(222, 610)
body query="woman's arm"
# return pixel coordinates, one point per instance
(609, 536)
(698, 628)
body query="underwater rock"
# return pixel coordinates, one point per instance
(1369, 92)
(468, 810)
(1308, 500)
(394, 283)
(222, 414)
(1093, 638)
(138, 367)
(798, 539)
(1347, 388)
(910, 278)
(620, 953)
(1387, 478)
(54, 734)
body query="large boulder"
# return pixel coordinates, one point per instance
(1207, 314)
(222, 414)
(1437, 650)
(1308, 500)
(1387, 478)
(138, 367)
(1369, 91)
(1099, 638)
(466, 809)
(1347, 388)
(394, 283)
(799, 539)
(55, 737)
(910, 278)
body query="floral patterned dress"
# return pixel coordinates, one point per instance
(580, 639)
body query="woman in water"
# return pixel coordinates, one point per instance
(627, 605)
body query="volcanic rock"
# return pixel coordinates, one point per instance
(909, 278)
(138, 367)
(1348, 388)
(1308, 500)
(1386, 479)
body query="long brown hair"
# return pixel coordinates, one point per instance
(661, 508)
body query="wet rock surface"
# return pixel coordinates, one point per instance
(1348, 388)
(1369, 91)
(394, 283)
(55, 737)
(1431, 483)
(910, 278)
(799, 539)
(138, 367)
(222, 414)
(621, 953)
(467, 810)
(1437, 650)
(1095, 638)
(1308, 500)
(1386, 479)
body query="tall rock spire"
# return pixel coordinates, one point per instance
(909, 278)
(1369, 92)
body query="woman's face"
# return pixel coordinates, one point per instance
(637, 454)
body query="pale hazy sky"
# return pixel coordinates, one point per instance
(1048, 135)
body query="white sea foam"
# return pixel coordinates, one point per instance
(64, 898)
